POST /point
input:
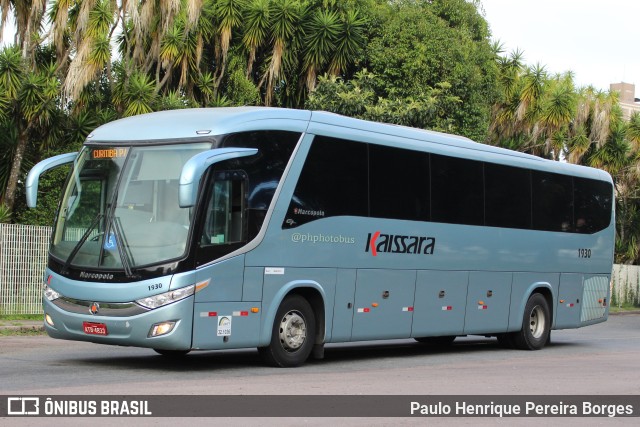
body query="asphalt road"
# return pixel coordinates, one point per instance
(600, 359)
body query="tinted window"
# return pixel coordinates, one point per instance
(457, 191)
(552, 202)
(593, 200)
(264, 170)
(349, 178)
(508, 196)
(399, 183)
(333, 182)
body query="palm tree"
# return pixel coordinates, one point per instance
(93, 24)
(286, 16)
(350, 39)
(633, 130)
(31, 102)
(256, 27)
(321, 34)
(28, 16)
(228, 14)
(558, 110)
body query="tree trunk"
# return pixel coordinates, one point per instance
(16, 166)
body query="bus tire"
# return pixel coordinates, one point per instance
(293, 334)
(439, 341)
(536, 324)
(506, 340)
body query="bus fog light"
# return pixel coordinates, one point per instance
(49, 320)
(161, 329)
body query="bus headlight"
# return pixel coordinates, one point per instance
(167, 297)
(50, 294)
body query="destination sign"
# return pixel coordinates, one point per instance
(109, 153)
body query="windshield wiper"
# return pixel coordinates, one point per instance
(81, 242)
(122, 245)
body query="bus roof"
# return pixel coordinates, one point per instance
(192, 123)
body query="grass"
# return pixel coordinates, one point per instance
(14, 321)
(8, 317)
(21, 332)
(627, 307)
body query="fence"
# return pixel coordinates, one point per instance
(625, 284)
(23, 258)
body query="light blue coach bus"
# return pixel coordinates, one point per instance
(284, 230)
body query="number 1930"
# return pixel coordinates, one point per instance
(584, 253)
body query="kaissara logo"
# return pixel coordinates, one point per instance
(378, 242)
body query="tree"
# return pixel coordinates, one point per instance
(29, 109)
(285, 19)
(171, 54)
(357, 98)
(548, 116)
(255, 29)
(420, 44)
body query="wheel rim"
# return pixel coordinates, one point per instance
(293, 331)
(537, 322)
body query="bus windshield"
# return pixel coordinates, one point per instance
(120, 207)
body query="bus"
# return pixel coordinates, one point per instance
(285, 230)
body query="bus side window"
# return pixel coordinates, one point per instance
(333, 182)
(593, 200)
(552, 202)
(226, 207)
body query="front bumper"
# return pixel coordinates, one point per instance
(126, 330)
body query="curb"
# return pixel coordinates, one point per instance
(23, 326)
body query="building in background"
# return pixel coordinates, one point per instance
(628, 101)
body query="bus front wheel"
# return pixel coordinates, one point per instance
(536, 324)
(293, 334)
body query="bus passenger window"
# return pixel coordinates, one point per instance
(457, 190)
(593, 204)
(507, 196)
(552, 202)
(333, 182)
(398, 183)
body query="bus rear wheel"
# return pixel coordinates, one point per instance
(536, 324)
(293, 334)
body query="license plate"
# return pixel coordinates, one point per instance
(92, 328)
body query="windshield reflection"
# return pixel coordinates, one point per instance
(120, 208)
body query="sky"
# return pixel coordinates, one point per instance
(598, 40)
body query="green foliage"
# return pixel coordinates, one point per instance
(422, 44)
(357, 98)
(138, 95)
(173, 101)
(5, 213)
(240, 90)
(11, 72)
(49, 194)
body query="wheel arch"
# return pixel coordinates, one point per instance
(543, 288)
(310, 290)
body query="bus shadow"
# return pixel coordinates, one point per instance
(334, 354)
